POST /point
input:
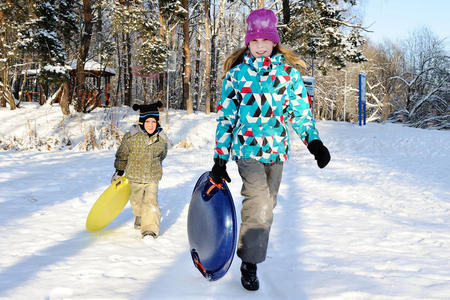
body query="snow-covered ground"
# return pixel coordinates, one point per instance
(374, 224)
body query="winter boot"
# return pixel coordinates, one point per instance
(249, 279)
(137, 223)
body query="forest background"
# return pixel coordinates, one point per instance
(102, 53)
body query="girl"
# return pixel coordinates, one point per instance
(140, 154)
(261, 93)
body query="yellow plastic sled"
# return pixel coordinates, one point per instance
(109, 205)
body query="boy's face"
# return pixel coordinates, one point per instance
(261, 47)
(150, 125)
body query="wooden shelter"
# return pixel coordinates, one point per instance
(98, 83)
(95, 90)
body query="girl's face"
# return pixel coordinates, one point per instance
(150, 125)
(261, 47)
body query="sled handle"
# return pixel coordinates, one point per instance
(219, 186)
(119, 181)
(198, 265)
(210, 189)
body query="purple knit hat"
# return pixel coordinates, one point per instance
(262, 24)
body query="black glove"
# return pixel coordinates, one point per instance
(320, 152)
(219, 171)
(117, 175)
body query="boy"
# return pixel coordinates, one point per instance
(140, 156)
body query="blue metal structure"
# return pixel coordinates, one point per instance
(362, 99)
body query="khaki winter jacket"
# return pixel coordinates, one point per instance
(141, 156)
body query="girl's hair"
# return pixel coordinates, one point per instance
(237, 57)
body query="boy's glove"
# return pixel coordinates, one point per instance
(320, 152)
(117, 175)
(219, 171)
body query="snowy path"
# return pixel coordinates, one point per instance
(374, 224)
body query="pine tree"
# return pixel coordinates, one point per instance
(40, 37)
(41, 40)
(320, 30)
(67, 21)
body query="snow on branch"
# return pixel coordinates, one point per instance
(344, 23)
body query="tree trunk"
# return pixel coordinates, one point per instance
(213, 76)
(207, 59)
(2, 91)
(64, 103)
(85, 41)
(187, 63)
(22, 86)
(197, 74)
(162, 92)
(129, 75)
(5, 91)
(42, 96)
(3, 68)
(286, 14)
(119, 74)
(99, 29)
(261, 3)
(215, 51)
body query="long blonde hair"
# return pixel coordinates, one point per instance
(237, 57)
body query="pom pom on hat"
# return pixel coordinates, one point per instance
(262, 24)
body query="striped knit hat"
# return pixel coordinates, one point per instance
(148, 111)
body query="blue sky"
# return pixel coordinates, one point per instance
(396, 19)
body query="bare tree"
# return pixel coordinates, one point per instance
(216, 38)
(85, 40)
(187, 99)
(197, 90)
(426, 79)
(207, 76)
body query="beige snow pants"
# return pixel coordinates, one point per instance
(144, 203)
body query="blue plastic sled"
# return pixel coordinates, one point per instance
(212, 228)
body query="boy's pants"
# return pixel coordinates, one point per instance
(144, 203)
(260, 183)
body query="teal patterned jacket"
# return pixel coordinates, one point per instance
(259, 98)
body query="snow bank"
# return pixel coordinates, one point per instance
(45, 128)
